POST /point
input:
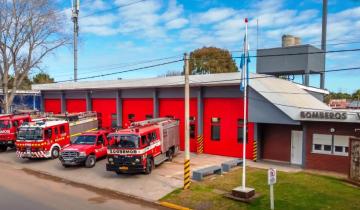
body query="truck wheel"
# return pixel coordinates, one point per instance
(55, 153)
(90, 161)
(170, 155)
(149, 166)
(3, 148)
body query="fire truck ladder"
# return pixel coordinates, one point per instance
(148, 122)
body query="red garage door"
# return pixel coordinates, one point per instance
(175, 108)
(136, 110)
(75, 105)
(52, 105)
(223, 127)
(106, 108)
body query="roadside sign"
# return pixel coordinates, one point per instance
(271, 182)
(271, 176)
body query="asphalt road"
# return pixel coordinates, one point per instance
(22, 190)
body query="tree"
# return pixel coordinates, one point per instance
(211, 60)
(25, 84)
(356, 95)
(42, 78)
(29, 30)
(172, 73)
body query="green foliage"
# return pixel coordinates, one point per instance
(25, 85)
(42, 78)
(211, 60)
(340, 95)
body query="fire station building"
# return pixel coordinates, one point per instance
(288, 122)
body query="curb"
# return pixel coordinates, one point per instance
(173, 206)
(113, 194)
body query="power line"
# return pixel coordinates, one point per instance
(124, 71)
(122, 65)
(113, 8)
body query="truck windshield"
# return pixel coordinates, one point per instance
(125, 141)
(30, 134)
(5, 124)
(87, 140)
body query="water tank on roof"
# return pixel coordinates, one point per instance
(290, 40)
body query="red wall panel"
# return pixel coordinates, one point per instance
(105, 108)
(75, 105)
(52, 105)
(175, 107)
(139, 107)
(229, 111)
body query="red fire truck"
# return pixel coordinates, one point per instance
(143, 145)
(86, 149)
(44, 138)
(9, 124)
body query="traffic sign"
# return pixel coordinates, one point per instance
(271, 176)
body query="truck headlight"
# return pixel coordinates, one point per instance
(82, 154)
(111, 159)
(137, 160)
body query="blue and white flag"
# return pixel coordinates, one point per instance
(244, 72)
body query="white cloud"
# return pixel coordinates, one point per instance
(177, 23)
(213, 15)
(174, 11)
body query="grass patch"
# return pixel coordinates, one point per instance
(292, 191)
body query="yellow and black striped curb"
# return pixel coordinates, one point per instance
(255, 151)
(173, 206)
(200, 147)
(187, 174)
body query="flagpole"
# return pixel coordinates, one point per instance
(245, 81)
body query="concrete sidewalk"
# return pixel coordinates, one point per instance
(279, 166)
(163, 180)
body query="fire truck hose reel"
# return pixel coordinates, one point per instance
(187, 174)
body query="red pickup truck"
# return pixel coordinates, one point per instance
(85, 149)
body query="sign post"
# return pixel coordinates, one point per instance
(271, 182)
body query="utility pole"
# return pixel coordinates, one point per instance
(187, 125)
(323, 39)
(75, 18)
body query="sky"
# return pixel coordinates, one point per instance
(113, 38)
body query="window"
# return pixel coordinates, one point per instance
(148, 116)
(322, 143)
(317, 146)
(56, 131)
(101, 140)
(62, 129)
(331, 144)
(240, 131)
(143, 140)
(341, 145)
(114, 120)
(192, 131)
(150, 136)
(215, 129)
(48, 133)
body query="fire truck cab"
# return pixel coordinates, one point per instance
(42, 139)
(143, 145)
(8, 127)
